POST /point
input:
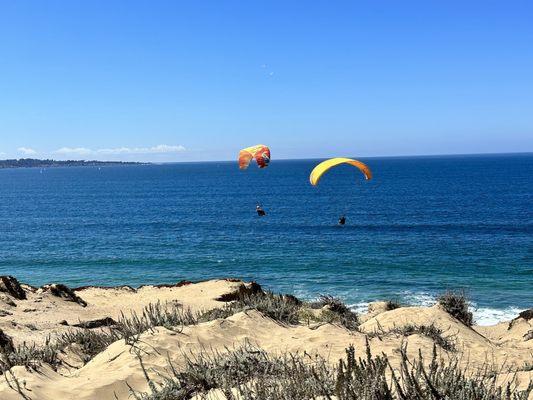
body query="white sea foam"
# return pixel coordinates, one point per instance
(483, 316)
(419, 298)
(359, 308)
(491, 316)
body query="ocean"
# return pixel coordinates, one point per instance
(421, 226)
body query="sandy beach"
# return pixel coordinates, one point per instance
(34, 317)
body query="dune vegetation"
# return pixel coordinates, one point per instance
(260, 345)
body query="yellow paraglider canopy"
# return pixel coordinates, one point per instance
(324, 166)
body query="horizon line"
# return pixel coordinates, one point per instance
(284, 159)
(517, 153)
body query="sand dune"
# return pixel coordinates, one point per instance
(43, 313)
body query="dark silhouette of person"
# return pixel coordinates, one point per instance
(342, 220)
(260, 211)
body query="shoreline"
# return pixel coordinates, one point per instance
(483, 316)
(70, 294)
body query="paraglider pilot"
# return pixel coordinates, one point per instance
(260, 211)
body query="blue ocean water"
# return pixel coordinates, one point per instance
(422, 225)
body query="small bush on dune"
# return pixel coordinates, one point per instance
(339, 312)
(30, 356)
(90, 343)
(334, 303)
(456, 304)
(430, 331)
(349, 320)
(392, 305)
(216, 313)
(278, 307)
(525, 315)
(169, 315)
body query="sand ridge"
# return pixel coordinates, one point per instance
(105, 376)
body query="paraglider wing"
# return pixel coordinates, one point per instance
(324, 166)
(244, 159)
(260, 152)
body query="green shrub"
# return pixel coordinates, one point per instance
(278, 307)
(456, 304)
(339, 312)
(392, 305)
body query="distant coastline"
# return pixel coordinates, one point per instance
(36, 163)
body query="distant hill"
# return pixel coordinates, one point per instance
(34, 163)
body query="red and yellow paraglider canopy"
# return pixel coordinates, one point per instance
(260, 152)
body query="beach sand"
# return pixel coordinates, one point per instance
(49, 311)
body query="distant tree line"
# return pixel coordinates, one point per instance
(35, 163)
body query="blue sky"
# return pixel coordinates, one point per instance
(181, 81)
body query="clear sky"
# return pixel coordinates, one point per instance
(198, 80)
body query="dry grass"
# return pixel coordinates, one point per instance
(282, 308)
(171, 316)
(251, 374)
(30, 356)
(430, 331)
(92, 342)
(89, 343)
